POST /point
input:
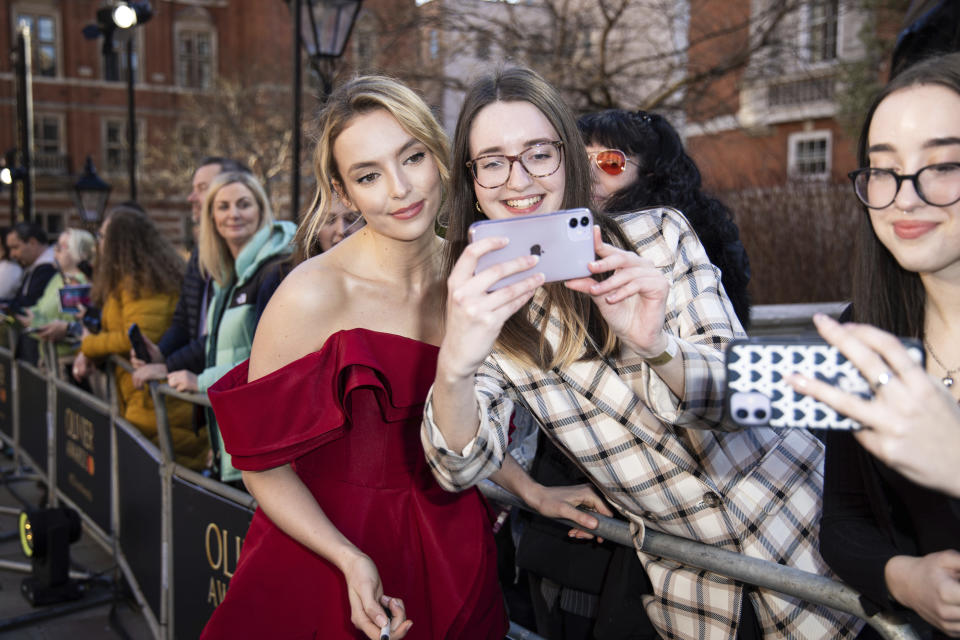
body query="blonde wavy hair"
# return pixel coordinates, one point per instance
(214, 255)
(357, 97)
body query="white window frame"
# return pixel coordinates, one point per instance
(61, 140)
(43, 218)
(793, 161)
(121, 46)
(141, 140)
(195, 20)
(46, 9)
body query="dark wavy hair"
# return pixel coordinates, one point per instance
(135, 256)
(669, 177)
(884, 293)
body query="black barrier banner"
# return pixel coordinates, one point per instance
(83, 457)
(140, 494)
(32, 395)
(6, 395)
(208, 532)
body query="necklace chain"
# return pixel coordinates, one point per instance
(947, 379)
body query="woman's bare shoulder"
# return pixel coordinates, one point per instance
(303, 311)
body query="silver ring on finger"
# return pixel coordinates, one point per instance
(883, 378)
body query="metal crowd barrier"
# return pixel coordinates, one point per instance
(179, 558)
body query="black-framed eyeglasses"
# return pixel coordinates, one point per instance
(936, 184)
(539, 161)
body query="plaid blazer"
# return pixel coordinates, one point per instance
(667, 462)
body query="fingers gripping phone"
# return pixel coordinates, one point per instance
(563, 240)
(758, 394)
(138, 343)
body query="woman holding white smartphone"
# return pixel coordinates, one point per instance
(623, 370)
(882, 531)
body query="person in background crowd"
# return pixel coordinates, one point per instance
(28, 245)
(10, 270)
(183, 344)
(342, 222)
(638, 161)
(244, 250)
(887, 536)
(625, 373)
(136, 281)
(74, 253)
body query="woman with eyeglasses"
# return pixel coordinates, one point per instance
(638, 160)
(622, 370)
(883, 531)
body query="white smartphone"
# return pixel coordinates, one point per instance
(563, 240)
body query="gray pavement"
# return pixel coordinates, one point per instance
(92, 623)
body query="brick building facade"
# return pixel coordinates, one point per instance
(180, 54)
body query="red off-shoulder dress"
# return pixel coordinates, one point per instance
(348, 418)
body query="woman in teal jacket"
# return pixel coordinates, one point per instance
(245, 250)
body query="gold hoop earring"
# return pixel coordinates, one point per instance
(476, 203)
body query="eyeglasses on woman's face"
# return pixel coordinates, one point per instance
(937, 184)
(611, 161)
(539, 161)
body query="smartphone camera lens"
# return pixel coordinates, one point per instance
(742, 413)
(573, 223)
(584, 221)
(760, 414)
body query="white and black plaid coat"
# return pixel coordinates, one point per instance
(667, 462)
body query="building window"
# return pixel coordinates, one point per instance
(434, 44)
(195, 59)
(809, 155)
(115, 66)
(115, 145)
(43, 41)
(48, 144)
(52, 223)
(823, 21)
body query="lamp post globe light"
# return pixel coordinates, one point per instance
(91, 194)
(123, 15)
(322, 27)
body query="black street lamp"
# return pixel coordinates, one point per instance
(91, 194)
(322, 27)
(124, 15)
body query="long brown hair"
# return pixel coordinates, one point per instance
(135, 256)
(579, 317)
(357, 97)
(884, 293)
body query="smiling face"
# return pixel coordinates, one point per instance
(911, 129)
(389, 176)
(522, 194)
(236, 215)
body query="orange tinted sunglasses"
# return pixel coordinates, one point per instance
(610, 161)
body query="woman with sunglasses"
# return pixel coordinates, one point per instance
(638, 161)
(625, 373)
(883, 532)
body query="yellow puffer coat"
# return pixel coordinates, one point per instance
(153, 314)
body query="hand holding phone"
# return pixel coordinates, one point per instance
(562, 240)
(759, 395)
(138, 343)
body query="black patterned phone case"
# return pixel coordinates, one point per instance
(758, 394)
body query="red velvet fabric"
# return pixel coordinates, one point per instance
(348, 418)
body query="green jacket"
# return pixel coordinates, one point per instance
(47, 308)
(234, 311)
